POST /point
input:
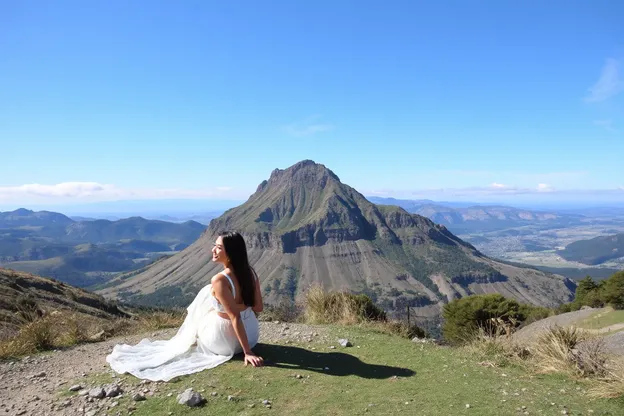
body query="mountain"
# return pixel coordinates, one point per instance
(595, 250)
(304, 226)
(85, 253)
(479, 218)
(19, 290)
(27, 218)
(59, 228)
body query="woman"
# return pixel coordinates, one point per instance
(219, 324)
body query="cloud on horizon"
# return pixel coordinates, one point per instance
(93, 191)
(608, 85)
(497, 191)
(308, 127)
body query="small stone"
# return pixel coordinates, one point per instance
(190, 398)
(230, 398)
(298, 376)
(265, 402)
(213, 394)
(169, 394)
(345, 343)
(138, 397)
(331, 347)
(75, 387)
(467, 406)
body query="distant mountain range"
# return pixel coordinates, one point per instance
(86, 252)
(478, 218)
(595, 250)
(304, 226)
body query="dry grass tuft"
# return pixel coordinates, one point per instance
(611, 384)
(153, 321)
(323, 307)
(569, 350)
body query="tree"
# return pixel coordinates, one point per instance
(614, 290)
(588, 293)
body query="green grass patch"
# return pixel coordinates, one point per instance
(602, 319)
(380, 374)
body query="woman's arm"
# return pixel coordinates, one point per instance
(224, 296)
(258, 304)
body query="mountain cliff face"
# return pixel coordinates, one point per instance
(303, 226)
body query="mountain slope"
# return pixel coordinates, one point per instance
(304, 226)
(595, 250)
(18, 289)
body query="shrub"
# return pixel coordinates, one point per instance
(339, 307)
(463, 318)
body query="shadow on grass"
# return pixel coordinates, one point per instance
(337, 363)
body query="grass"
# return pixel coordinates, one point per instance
(381, 374)
(602, 319)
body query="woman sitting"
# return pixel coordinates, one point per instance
(220, 323)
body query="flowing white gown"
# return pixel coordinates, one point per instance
(205, 340)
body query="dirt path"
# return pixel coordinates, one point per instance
(30, 386)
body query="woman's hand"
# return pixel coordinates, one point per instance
(253, 359)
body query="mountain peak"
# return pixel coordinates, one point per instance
(22, 212)
(301, 173)
(305, 169)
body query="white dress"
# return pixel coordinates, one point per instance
(205, 340)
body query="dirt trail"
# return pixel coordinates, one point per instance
(30, 386)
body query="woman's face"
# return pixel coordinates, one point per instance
(218, 252)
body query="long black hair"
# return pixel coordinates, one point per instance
(236, 250)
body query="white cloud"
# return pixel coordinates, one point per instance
(93, 191)
(498, 185)
(608, 85)
(307, 127)
(605, 124)
(543, 187)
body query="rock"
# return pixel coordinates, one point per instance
(97, 337)
(345, 342)
(97, 392)
(75, 387)
(41, 374)
(467, 406)
(190, 398)
(139, 397)
(91, 413)
(265, 402)
(112, 390)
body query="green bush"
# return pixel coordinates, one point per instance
(463, 318)
(613, 291)
(491, 314)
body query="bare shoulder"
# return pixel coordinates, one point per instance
(217, 279)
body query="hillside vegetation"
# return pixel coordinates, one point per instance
(596, 250)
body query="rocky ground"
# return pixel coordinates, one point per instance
(31, 385)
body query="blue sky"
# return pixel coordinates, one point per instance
(479, 100)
